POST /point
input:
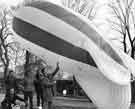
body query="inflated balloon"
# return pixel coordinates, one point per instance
(58, 34)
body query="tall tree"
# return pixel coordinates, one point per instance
(123, 21)
(4, 43)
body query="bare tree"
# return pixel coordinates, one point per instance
(84, 7)
(17, 55)
(123, 21)
(4, 43)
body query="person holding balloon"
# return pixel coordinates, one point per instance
(47, 85)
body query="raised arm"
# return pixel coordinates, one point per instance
(55, 72)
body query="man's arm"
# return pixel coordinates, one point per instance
(55, 71)
(47, 82)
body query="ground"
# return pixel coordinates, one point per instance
(68, 103)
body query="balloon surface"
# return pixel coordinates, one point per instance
(55, 33)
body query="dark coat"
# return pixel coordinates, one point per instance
(29, 83)
(47, 89)
(37, 83)
(10, 83)
(47, 84)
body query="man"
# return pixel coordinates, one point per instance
(29, 88)
(38, 89)
(11, 91)
(10, 81)
(47, 85)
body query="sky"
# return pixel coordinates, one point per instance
(10, 2)
(6, 3)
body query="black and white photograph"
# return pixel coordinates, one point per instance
(67, 54)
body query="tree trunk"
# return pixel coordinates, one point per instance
(132, 52)
(132, 83)
(124, 43)
(5, 70)
(27, 59)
